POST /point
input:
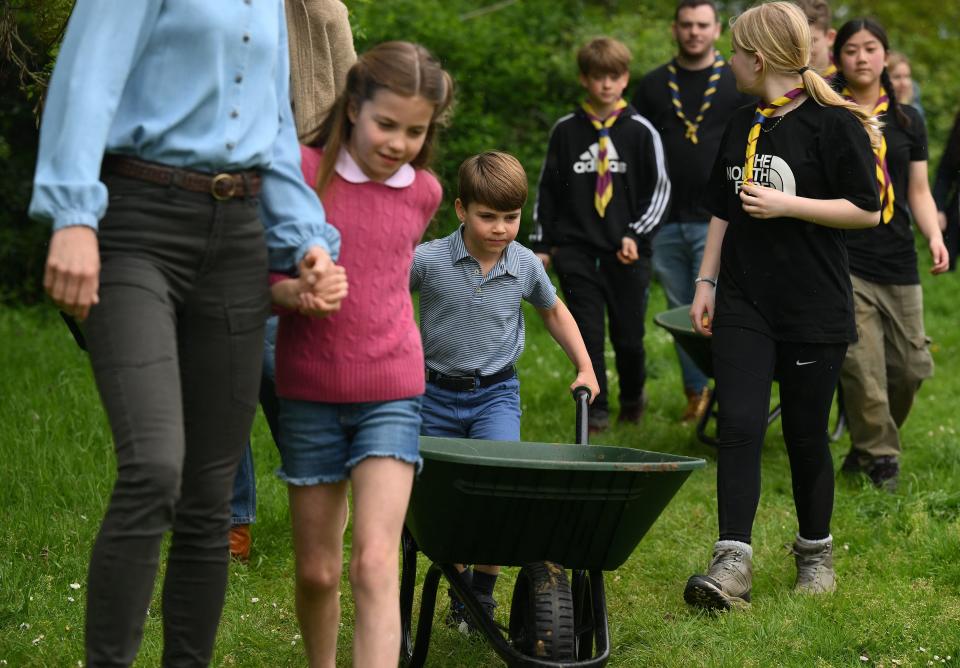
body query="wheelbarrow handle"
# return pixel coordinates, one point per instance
(581, 394)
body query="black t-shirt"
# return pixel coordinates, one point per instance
(786, 277)
(688, 163)
(887, 253)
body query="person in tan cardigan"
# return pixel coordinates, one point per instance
(321, 52)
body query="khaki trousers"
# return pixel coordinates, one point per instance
(883, 370)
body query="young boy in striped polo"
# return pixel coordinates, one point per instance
(471, 286)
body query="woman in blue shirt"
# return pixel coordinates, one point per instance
(167, 155)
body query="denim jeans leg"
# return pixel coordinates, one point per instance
(243, 505)
(677, 252)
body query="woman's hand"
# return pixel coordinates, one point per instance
(701, 310)
(72, 275)
(763, 202)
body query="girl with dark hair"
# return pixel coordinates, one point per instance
(774, 289)
(883, 370)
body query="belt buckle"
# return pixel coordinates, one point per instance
(219, 180)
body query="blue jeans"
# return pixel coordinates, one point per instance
(243, 505)
(490, 413)
(677, 252)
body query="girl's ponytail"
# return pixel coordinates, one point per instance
(824, 95)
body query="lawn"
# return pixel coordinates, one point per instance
(897, 555)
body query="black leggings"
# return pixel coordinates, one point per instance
(745, 364)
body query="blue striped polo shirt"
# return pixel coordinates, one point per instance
(469, 322)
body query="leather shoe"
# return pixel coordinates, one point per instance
(240, 542)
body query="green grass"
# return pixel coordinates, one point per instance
(897, 556)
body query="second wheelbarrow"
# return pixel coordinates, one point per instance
(677, 322)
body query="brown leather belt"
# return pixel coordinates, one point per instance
(222, 186)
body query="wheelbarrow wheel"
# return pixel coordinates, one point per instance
(541, 612)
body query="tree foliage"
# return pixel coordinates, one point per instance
(513, 62)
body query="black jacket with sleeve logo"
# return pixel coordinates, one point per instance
(564, 213)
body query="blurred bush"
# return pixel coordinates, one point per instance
(513, 62)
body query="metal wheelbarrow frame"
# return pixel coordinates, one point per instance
(533, 505)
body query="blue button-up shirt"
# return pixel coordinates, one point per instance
(200, 84)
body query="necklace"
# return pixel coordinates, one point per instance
(774, 126)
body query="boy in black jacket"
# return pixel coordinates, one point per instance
(603, 190)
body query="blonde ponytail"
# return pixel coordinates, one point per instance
(818, 89)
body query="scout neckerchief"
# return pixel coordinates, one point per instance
(604, 190)
(712, 83)
(764, 111)
(830, 72)
(884, 182)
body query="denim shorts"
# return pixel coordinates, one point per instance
(321, 443)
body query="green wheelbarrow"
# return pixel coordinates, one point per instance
(677, 322)
(543, 507)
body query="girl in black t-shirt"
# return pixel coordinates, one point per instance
(883, 370)
(774, 288)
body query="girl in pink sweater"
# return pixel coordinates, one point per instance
(350, 384)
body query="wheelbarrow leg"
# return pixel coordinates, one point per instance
(408, 584)
(708, 413)
(841, 424)
(428, 601)
(601, 626)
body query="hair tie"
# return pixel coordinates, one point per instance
(802, 70)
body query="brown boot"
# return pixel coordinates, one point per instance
(696, 405)
(240, 542)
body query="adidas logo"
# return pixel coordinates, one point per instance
(588, 160)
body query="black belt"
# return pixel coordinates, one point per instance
(469, 383)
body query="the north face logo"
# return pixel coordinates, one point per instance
(588, 160)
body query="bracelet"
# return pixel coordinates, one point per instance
(704, 279)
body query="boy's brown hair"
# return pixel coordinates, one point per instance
(493, 179)
(817, 12)
(603, 55)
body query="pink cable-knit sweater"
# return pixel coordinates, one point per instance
(370, 349)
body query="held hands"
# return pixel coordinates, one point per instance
(586, 378)
(72, 275)
(763, 202)
(319, 299)
(939, 255)
(319, 289)
(701, 310)
(628, 251)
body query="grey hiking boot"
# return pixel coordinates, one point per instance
(815, 574)
(728, 581)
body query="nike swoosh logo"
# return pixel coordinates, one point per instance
(799, 363)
